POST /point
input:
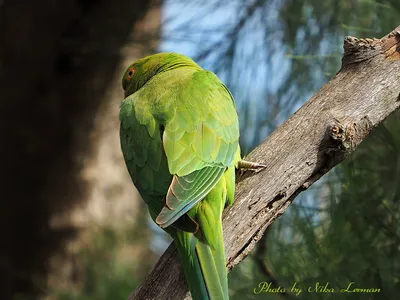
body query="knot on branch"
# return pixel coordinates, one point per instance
(356, 50)
(342, 137)
(391, 45)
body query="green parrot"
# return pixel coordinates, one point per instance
(180, 140)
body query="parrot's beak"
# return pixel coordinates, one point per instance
(124, 94)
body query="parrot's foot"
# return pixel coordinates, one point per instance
(249, 165)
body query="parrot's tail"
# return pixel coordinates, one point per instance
(204, 266)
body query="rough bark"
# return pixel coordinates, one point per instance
(315, 139)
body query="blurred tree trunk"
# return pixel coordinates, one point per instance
(60, 69)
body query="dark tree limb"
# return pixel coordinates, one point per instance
(311, 142)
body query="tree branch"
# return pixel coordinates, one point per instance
(311, 142)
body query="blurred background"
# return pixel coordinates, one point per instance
(72, 226)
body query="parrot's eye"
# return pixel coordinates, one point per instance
(130, 73)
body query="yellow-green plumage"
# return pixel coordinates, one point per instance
(179, 136)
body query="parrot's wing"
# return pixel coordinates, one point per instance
(184, 194)
(200, 142)
(142, 149)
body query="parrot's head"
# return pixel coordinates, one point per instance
(145, 68)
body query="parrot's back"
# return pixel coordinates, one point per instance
(179, 136)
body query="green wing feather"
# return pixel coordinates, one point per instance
(141, 145)
(200, 142)
(183, 195)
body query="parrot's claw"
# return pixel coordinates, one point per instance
(249, 165)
